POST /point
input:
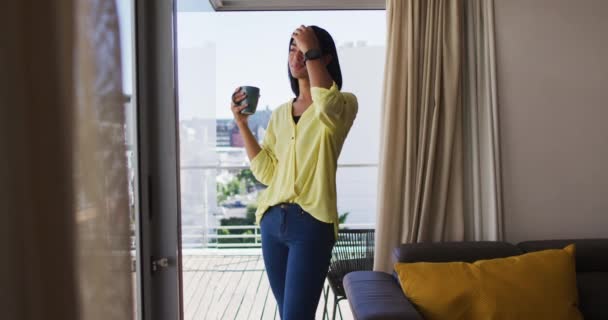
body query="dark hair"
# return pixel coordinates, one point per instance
(327, 46)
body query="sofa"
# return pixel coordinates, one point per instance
(378, 295)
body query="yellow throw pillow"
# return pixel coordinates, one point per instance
(536, 285)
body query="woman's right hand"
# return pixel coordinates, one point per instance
(237, 97)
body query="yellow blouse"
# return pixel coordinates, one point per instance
(298, 162)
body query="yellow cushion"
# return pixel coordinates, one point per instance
(536, 285)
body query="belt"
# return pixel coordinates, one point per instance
(285, 205)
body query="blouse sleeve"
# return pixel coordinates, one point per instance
(334, 108)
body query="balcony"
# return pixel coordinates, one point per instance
(224, 282)
(222, 265)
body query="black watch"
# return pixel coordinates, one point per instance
(312, 54)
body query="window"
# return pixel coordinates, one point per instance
(219, 51)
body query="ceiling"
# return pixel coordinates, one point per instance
(288, 5)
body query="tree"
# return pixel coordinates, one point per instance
(233, 187)
(246, 175)
(235, 222)
(221, 196)
(243, 182)
(251, 209)
(248, 179)
(227, 190)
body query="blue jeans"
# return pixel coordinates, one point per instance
(297, 251)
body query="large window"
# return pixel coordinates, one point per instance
(218, 52)
(221, 272)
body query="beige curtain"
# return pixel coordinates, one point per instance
(65, 224)
(483, 200)
(100, 172)
(421, 167)
(37, 230)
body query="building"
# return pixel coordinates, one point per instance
(228, 134)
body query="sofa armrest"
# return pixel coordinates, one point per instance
(376, 295)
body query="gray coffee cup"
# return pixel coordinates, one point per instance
(253, 95)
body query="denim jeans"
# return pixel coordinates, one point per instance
(297, 251)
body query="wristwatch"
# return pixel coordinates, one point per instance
(312, 54)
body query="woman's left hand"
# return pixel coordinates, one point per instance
(305, 38)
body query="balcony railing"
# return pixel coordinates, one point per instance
(201, 237)
(213, 240)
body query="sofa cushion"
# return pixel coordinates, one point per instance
(374, 295)
(453, 251)
(593, 294)
(591, 254)
(538, 285)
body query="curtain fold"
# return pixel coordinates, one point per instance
(65, 227)
(37, 231)
(483, 200)
(421, 167)
(100, 172)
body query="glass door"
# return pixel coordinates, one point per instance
(223, 272)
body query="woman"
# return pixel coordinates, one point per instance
(297, 213)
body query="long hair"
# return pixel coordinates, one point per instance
(327, 46)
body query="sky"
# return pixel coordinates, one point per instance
(126, 38)
(251, 48)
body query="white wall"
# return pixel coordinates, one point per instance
(553, 102)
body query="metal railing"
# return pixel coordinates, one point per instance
(196, 237)
(242, 236)
(213, 240)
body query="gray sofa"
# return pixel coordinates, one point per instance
(377, 295)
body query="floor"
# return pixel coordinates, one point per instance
(234, 286)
